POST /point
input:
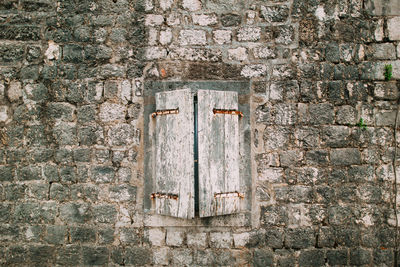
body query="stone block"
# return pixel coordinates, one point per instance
(154, 20)
(274, 238)
(192, 37)
(5, 212)
(283, 35)
(17, 255)
(204, 19)
(346, 115)
(82, 155)
(272, 175)
(332, 52)
(106, 236)
(249, 34)
(10, 233)
(123, 135)
(299, 238)
(55, 234)
(198, 240)
(370, 193)
(360, 256)
(307, 137)
(382, 7)
(68, 174)
(112, 112)
(220, 239)
(191, 5)
(14, 191)
(82, 234)
(385, 117)
(264, 52)
(383, 257)
(50, 172)
(381, 51)
(240, 240)
(274, 216)
(41, 155)
(124, 175)
(312, 258)
(222, 36)
(337, 257)
(285, 114)
(276, 138)
(104, 214)
(69, 255)
(386, 90)
(65, 134)
(86, 192)
(285, 89)
(161, 256)
(75, 213)
(40, 254)
(238, 54)
(62, 111)
(263, 258)
(36, 136)
(95, 255)
(59, 192)
(279, 13)
(11, 53)
(182, 257)
(29, 172)
(230, 20)
(326, 237)
(335, 136)
(175, 238)
(6, 173)
(130, 236)
(112, 71)
(291, 158)
(73, 53)
(393, 27)
(14, 92)
(103, 174)
(321, 114)
(155, 236)
(20, 33)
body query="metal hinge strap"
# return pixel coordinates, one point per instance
(229, 194)
(228, 112)
(165, 112)
(163, 195)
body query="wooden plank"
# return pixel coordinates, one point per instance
(218, 154)
(174, 166)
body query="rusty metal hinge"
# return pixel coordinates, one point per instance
(165, 112)
(229, 194)
(163, 195)
(228, 112)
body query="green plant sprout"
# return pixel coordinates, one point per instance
(361, 124)
(388, 72)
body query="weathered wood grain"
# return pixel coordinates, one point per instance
(218, 137)
(174, 166)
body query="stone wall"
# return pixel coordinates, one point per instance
(74, 83)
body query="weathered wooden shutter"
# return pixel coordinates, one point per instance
(218, 144)
(174, 164)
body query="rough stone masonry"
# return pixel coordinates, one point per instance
(73, 77)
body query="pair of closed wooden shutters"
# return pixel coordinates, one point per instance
(218, 154)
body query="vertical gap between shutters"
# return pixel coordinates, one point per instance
(196, 161)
